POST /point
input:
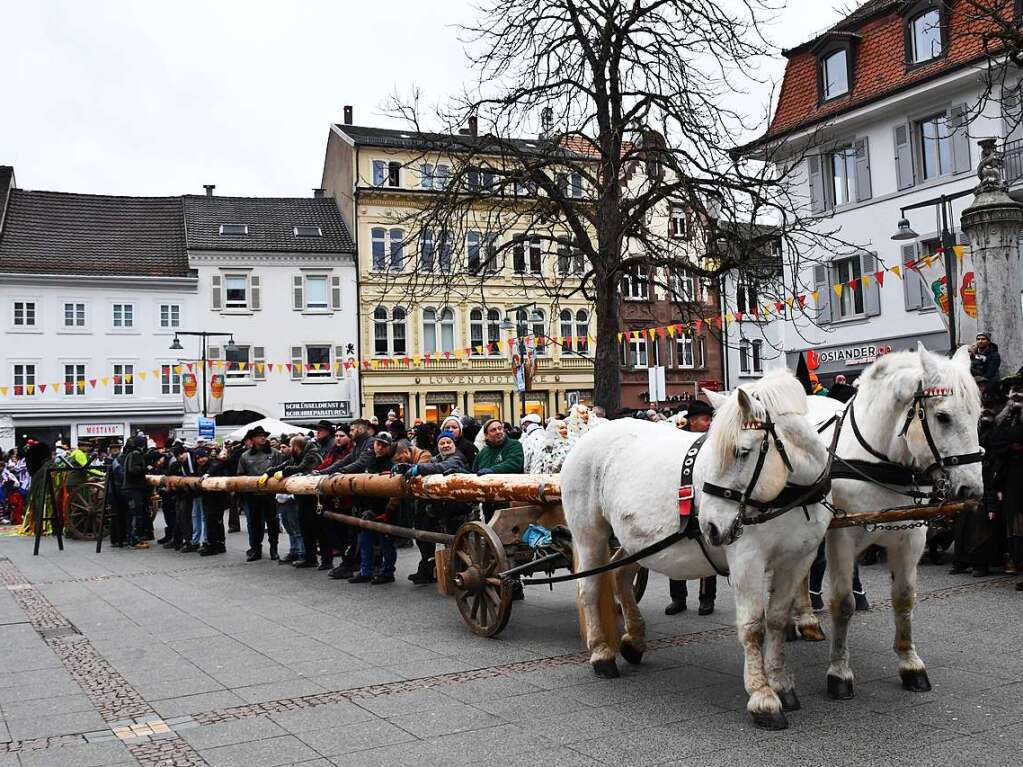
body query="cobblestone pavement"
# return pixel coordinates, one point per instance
(159, 658)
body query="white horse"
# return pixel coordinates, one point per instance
(897, 396)
(624, 479)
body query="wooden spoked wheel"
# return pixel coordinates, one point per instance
(483, 599)
(84, 513)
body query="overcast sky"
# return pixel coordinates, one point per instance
(160, 98)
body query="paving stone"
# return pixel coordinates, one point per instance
(351, 738)
(445, 720)
(321, 717)
(23, 728)
(228, 733)
(269, 752)
(85, 755)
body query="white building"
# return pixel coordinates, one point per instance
(879, 114)
(278, 274)
(754, 342)
(92, 289)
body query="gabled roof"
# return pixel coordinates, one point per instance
(91, 234)
(271, 224)
(391, 138)
(879, 69)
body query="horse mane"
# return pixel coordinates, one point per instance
(777, 393)
(906, 368)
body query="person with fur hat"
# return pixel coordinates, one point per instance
(454, 424)
(532, 438)
(261, 508)
(554, 450)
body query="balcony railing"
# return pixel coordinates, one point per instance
(489, 363)
(1013, 151)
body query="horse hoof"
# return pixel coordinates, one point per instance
(840, 689)
(769, 720)
(915, 680)
(812, 633)
(606, 669)
(790, 633)
(789, 700)
(631, 654)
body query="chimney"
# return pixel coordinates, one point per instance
(209, 189)
(348, 114)
(318, 192)
(546, 122)
(473, 126)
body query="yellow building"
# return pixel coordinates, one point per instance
(429, 345)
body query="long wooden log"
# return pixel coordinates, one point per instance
(524, 488)
(383, 527)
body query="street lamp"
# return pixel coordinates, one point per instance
(905, 232)
(204, 335)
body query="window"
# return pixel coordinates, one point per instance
(575, 330)
(746, 298)
(124, 316)
(481, 255)
(426, 251)
(317, 359)
(24, 376)
(678, 223)
(438, 331)
(234, 229)
(751, 356)
(850, 303)
(843, 176)
(685, 351)
(236, 364)
(682, 284)
(570, 184)
(835, 74)
(527, 255)
(386, 173)
(925, 36)
(484, 330)
(636, 284)
(426, 176)
(388, 247)
(74, 380)
(124, 379)
(532, 323)
(316, 292)
(24, 314)
(74, 315)
(304, 230)
(935, 142)
(441, 176)
(236, 291)
(170, 379)
(170, 316)
(570, 261)
(389, 332)
(634, 353)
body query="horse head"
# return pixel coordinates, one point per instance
(759, 442)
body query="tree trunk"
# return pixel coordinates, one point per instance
(607, 383)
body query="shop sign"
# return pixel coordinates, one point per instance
(849, 355)
(323, 409)
(482, 379)
(101, 430)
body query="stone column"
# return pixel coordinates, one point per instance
(994, 224)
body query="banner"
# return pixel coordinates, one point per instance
(932, 272)
(190, 392)
(215, 394)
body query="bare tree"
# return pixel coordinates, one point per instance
(627, 100)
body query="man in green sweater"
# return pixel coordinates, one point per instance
(500, 454)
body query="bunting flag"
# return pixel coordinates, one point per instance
(838, 289)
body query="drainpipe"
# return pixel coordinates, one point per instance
(723, 303)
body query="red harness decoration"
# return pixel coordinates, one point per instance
(685, 500)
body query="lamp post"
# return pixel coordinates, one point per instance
(508, 326)
(905, 232)
(204, 335)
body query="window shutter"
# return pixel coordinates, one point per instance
(335, 293)
(863, 191)
(297, 363)
(213, 352)
(960, 138)
(872, 291)
(823, 287)
(903, 157)
(817, 200)
(254, 303)
(1010, 111)
(258, 363)
(911, 282)
(216, 292)
(339, 362)
(298, 293)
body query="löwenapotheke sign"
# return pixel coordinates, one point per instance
(325, 409)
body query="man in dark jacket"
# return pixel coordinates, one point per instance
(500, 454)
(117, 502)
(361, 432)
(304, 460)
(136, 490)
(261, 508)
(985, 360)
(213, 504)
(182, 465)
(375, 509)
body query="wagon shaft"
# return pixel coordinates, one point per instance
(904, 514)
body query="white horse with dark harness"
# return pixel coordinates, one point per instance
(908, 436)
(754, 483)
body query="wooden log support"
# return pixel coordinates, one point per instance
(903, 514)
(383, 527)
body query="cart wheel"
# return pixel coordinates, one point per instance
(84, 511)
(639, 584)
(483, 599)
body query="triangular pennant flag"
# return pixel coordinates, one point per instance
(92, 383)
(960, 251)
(928, 260)
(717, 322)
(270, 366)
(3, 391)
(497, 345)
(288, 365)
(620, 336)
(191, 366)
(911, 264)
(427, 358)
(699, 325)
(42, 388)
(31, 389)
(671, 330)
(81, 384)
(479, 350)
(259, 367)
(154, 373)
(201, 364)
(127, 378)
(838, 289)
(117, 379)
(879, 276)
(17, 391)
(661, 332)
(416, 359)
(376, 363)
(866, 280)
(779, 307)
(447, 355)
(853, 284)
(739, 316)
(789, 301)
(897, 271)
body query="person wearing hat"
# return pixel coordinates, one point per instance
(1005, 451)
(532, 439)
(698, 418)
(261, 508)
(136, 490)
(985, 359)
(500, 454)
(375, 509)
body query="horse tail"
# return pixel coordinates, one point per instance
(607, 607)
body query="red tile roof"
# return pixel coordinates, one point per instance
(879, 64)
